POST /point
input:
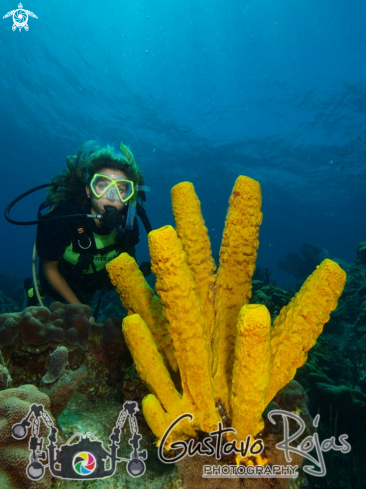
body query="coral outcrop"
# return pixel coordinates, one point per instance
(76, 323)
(9, 328)
(37, 326)
(361, 253)
(40, 325)
(14, 454)
(5, 379)
(226, 350)
(105, 358)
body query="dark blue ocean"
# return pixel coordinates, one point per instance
(201, 91)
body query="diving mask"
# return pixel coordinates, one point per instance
(103, 185)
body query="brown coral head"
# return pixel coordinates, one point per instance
(9, 328)
(37, 328)
(77, 324)
(77, 316)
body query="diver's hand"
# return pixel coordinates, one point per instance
(52, 274)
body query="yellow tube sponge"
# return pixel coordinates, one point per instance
(193, 234)
(150, 366)
(148, 360)
(251, 370)
(186, 322)
(159, 420)
(299, 324)
(138, 297)
(238, 254)
(246, 361)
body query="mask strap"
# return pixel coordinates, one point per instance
(145, 188)
(131, 213)
(132, 206)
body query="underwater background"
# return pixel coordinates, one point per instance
(203, 92)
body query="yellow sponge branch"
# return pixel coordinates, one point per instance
(299, 324)
(251, 370)
(186, 321)
(148, 360)
(159, 420)
(238, 254)
(165, 404)
(155, 416)
(138, 297)
(193, 234)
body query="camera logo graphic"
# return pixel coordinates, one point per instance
(85, 459)
(84, 463)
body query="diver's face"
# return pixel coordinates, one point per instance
(108, 198)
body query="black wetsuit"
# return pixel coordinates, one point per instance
(81, 262)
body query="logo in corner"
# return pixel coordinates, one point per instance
(20, 18)
(85, 459)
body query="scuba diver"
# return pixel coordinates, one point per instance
(91, 221)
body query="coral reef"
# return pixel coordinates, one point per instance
(335, 378)
(40, 325)
(5, 379)
(58, 361)
(14, 454)
(133, 388)
(352, 307)
(301, 266)
(361, 254)
(9, 328)
(76, 323)
(349, 405)
(36, 326)
(62, 391)
(212, 328)
(341, 353)
(105, 357)
(263, 274)
(270, 296)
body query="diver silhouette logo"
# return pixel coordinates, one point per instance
(85, 459)
(84, 463)
(20, 18)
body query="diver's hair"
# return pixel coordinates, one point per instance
(91, 158)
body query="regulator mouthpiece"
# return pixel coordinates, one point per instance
(111, 218)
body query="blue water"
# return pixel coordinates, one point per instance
(201, 91)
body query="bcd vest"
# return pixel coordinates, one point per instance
(89, 252)
(103, 250)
